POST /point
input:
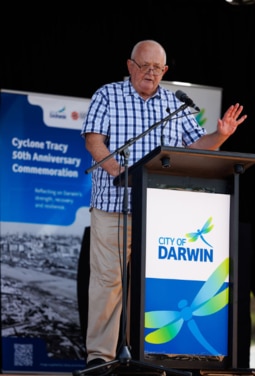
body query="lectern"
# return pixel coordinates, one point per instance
(184, 270)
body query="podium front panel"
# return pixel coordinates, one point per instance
(181, 251)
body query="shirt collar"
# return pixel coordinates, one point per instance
(130, 90)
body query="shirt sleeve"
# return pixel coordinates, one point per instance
(97, 117)
(192, 130)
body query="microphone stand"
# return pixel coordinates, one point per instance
(124, 358)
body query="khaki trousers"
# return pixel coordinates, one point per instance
(105, 285)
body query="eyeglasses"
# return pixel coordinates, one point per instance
(157, 71)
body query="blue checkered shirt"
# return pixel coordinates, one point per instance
(118, 112)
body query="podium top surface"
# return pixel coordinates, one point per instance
(193, 162)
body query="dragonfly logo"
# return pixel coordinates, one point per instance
(194, 236)
(211, 298)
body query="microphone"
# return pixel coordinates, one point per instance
(165, 160)
(185, 99)
(163, 127)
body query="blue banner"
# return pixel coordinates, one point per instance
(45, 194)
